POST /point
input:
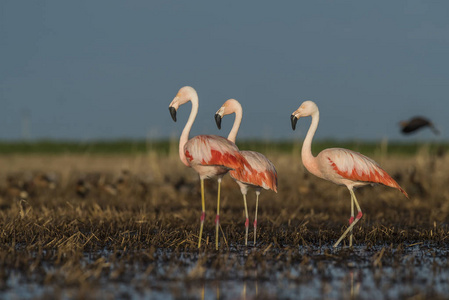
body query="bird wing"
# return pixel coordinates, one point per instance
(264, 173)
(357, 167)
(416, 123)
(214, 150)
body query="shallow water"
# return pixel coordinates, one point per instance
(238, 273)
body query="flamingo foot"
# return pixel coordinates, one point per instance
(349, 229)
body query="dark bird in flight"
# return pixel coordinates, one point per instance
(416, 123)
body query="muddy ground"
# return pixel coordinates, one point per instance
(126, 226)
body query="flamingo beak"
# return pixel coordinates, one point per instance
(218, 120)
(294, 119)
(172, 112)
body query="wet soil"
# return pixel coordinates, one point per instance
(126, 227)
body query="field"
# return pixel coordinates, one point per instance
(121, 220)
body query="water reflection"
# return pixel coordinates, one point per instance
(355, 288)
(345, 284)
(305, 273)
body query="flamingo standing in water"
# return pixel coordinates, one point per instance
(340, 166)
(208, 155)
(263, 174)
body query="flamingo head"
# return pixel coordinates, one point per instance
(306, 109)
(229, 107)
(183, 96)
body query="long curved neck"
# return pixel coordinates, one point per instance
(306, 153)
(238, 120)
(186, 131)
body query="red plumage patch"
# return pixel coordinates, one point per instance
(262, 179)
(357, 175)
(188, 156)
(375, 176)
(224, 159)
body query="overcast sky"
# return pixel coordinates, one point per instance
(109, 69)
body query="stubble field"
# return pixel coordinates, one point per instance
(92, 225)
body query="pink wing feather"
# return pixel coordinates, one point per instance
(214, 150)
(357, 167)
(263, 173)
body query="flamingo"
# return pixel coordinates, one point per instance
(340, 166)
(208, 155)
(264, 173)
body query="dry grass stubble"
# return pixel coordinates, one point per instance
(137, 205)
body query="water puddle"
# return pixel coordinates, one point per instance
(264, 273)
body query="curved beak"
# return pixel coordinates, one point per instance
(172, 113)
(294, 119)
(218, 120)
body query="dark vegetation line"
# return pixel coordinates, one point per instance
(166, 146)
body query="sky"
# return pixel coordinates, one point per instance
(87, 70)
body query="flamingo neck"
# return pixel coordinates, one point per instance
(308, 159)
(186, 131)
(237, 121)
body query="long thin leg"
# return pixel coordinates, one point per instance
(247, 220)
(255, 217)
(203, 213)
(217, 218)
(351, 220)
(356, 203)
(359, 216)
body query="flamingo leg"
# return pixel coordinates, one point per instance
(255, 217)
(217, 218)
(351, 220)
(203, 213)
(247, 220)
(359, 216)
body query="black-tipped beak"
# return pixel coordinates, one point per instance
(294, 120)
(218, 120)
(172, 113)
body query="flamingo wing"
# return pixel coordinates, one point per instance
(357, 167)
(214, 150)
(263, 172)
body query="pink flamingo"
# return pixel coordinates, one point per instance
(263, 175)
(340, 166)
(208, 155)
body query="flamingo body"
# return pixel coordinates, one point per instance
(213, 155)
(263, 175)
(340, 166)
(260, 174)
(350, 168)
(208, 155)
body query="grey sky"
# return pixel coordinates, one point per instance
(109, 69)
